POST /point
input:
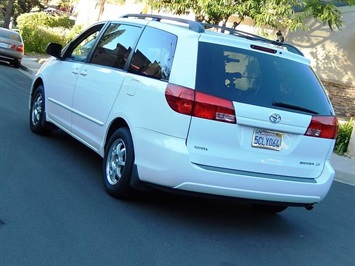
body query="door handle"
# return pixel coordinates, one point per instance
(75, 71)
(84, 72)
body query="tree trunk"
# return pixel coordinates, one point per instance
(8, 14)
(101, 4)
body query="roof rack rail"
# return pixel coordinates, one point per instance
(254, 37)
(193, 25)
(200, 28)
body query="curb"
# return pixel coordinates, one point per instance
(25, 68)
(344, 177)
(28, 70)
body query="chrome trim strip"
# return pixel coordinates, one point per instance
(254, 174)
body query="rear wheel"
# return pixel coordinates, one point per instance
(16, 64)
(118, 164)
(38, 122)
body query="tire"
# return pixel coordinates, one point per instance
(270, 208)
(118, 164)
(38, 122)
(16, 64)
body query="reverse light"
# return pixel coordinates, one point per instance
(190, 102)
(323, 127)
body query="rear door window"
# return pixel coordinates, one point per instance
(115, 45)
(154, 54)
(260, 79)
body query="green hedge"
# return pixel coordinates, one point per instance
(343, 138)
(39, 29)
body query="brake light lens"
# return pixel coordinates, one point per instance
(264, 49)
(323, 127)
(20, 48)
(189, 102)
(17, 48)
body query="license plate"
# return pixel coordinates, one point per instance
(4, 45)
(267, 139)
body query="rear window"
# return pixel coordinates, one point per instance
(10, 35)
(260, 79)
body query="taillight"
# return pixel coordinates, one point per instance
(20, 48)
(190, 102)
(323, 127)
(17, 48)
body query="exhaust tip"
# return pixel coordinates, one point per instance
(309, 207)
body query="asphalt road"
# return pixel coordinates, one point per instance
(54, 211)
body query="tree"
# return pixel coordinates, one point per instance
(273, 13)
(8, 13)
(14, 8)
(101, 5)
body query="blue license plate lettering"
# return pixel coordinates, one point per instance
(267, 139)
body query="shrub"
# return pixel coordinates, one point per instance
(74, 32)
(343, 138)
(36, 40)
(39, 29)
(44, 19)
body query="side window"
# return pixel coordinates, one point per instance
(154, 54)
(115, 45)
(84, 43)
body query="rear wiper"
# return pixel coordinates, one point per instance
(294, 107)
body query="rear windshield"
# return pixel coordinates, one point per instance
(10, 35)
(260, 79)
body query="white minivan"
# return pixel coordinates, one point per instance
(171, 104)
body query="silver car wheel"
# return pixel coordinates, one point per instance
(37, 110)
(116, 162)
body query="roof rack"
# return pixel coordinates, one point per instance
(254, 37)
(193, 25)
(200, 28)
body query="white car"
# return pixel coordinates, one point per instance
(170, 104)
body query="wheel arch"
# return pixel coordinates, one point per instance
(34, 86)
(117, 123)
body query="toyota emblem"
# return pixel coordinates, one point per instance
(275, 118)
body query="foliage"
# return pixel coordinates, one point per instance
(38, 29)
(3, 5)
(43, 19)
(343, 138)
(74, 32)
(273, 13)
(19, 7)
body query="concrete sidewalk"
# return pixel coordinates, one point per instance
(344, 166)
(344, 169)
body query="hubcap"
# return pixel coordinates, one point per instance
(37, 110)
(116, 161)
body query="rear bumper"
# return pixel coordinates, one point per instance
(164, 160)
(6, 54)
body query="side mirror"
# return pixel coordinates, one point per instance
(54, 49)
